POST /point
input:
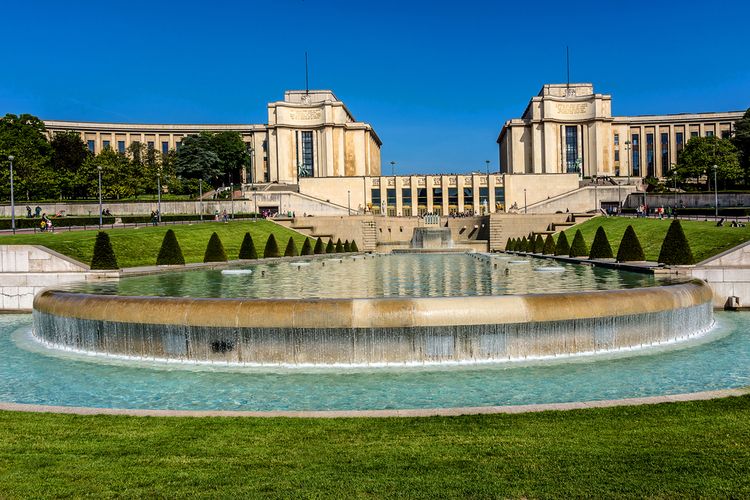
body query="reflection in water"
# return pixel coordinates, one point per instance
(398, 275)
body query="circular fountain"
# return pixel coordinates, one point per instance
(461, 310)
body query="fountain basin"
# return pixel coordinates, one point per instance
(372, 331)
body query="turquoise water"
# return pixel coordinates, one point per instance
(32, 374)
(400, 275)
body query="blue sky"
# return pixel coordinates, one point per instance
(435, 79)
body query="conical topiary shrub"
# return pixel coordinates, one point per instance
(630, 248)
(330, 247)
(272, 248)
(306, 248)
(319, 247)
(339, 246)
(170, 253)
(215, 250)
(347, 246)
(675, 249)
(247, 249)
(353, 246)
(549, 245)
(578, 247)
(291, 248)
(538, 244)
(507, 244)
(600, 248)
(562, 247)
(524, 244)
(104, 257)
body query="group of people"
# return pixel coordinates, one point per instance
(154, 217)
(660, 212)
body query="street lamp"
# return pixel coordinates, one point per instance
(393, 168)
(100, 195)
(200, 198)
(524, 200)
(158, 198)
(596, 198)
(716, 193)
(487, 162)
(349, 200)
(12, 199)
(231, 194)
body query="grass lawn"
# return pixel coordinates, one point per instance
(139, 247)
(695, 449)
(705, 238)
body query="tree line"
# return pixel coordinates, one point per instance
(62, 167)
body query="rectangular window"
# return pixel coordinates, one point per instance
(453, 199)
(679, 142)
(571, 148)
(617, 155)
(468, 198)
(375, 195)
(617, 139)
(92, 146)
(437, 197)
(150, 144)
(665, 153)
(391, 197)
(178, 145)
(709, 133)
(422, 198)
(650, 155)
(693, 134)
(725, 134)
(499, 198)
(164, 147)
(306, 167)
(105, 144)
(121, 147)
(484, 199)
(406, 197)
(636, 155)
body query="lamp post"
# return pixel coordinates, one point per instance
(487, 162)
(393, 168)
(158, 198)
(524, 201)
(716, 193)
(200, 198)
(596, 198)
(99, 169)
(231, 194)
(251, 152)
(12, 199)
(349, 200)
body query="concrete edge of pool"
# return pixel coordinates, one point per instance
(426, 412)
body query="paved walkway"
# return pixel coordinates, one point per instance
(430, 412)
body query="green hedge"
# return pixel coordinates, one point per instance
(145, 219)
(24, 223)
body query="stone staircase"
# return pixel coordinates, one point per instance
(369, 235)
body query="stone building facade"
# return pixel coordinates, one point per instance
(308, 134)
(568, 128)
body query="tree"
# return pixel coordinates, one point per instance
(170, 253)
(508, 244)
(524, 246)
(319, 247)
(675, 249)
(339, 246)
(600, 248)
(347, 247)
(291, 248)
(742, 143)
(549, 245)
(630, 247)
(702, 153)
(247, 249)
(538, 244)
(578, 247)
(330, 247)
(353, 246)
(215, 250)
(104, 256)
(562, 247)
(24, 137)
(69, 152)
(306, 248)
(212, 156)
(272, 248)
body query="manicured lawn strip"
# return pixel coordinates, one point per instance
(704, 237)
(140, 247)
(695, 449)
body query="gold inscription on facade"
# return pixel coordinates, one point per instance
(570, 108)
(305, 114)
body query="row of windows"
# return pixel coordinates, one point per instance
(437, 196)
(91, 144)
